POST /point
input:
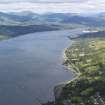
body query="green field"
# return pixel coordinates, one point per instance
(87, 58)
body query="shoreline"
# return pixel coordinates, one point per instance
(90, 75)
(58, 88)
(68, 67)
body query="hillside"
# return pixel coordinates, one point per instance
(20, 30)
(30, 18)
(19, 23)
(87, 59)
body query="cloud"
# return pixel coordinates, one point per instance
(41, 1)
(42, 6)
(64, 1)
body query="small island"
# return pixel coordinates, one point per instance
(86, 57)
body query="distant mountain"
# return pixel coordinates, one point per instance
(29, 18)
(18, 23)
(14, 19)
(99, 16)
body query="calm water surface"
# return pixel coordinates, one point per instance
(31, 65)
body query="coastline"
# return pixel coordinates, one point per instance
(88, 85)
(58, 89)
(86, 59)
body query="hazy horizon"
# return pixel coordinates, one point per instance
(56, 6)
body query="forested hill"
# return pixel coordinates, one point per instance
(20, 30)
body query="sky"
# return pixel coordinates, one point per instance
(62, 6)
(70, 1)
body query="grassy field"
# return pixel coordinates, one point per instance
(87, 58)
